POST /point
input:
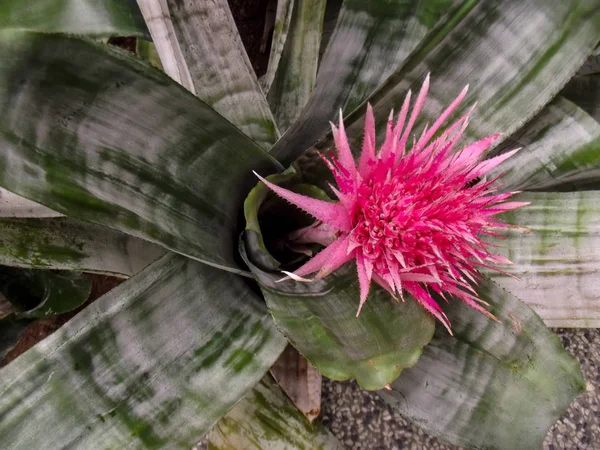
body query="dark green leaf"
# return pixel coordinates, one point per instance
(93, 133)
(152, 364)
(266, 420)
(493, 385)
(41, 293)
(84, 17)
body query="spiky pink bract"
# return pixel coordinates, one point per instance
(412, 220)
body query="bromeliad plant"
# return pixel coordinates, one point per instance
(155, 172)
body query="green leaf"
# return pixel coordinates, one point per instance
(70, 244)
(297, 70)
(283, 19)
(11, 205)
(557, 262)
(96, 18)
(128, 147)
(11, 330)
(493, 385)
(481, 43)
(319, 318)
(200, 47)
(584, 91)
(147, 51)
(266, 420)
(370, 41)
(560, 151)
(152, 364)
(41, 293)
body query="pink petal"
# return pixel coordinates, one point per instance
(444, 116)
(343, 147)
(328, 257)
(333, 214)
(429, 304)
(364, 280)
(415, 113)
(368, 151)
(489, 164)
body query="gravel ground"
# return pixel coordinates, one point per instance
(361, 420)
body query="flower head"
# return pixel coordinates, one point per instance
(412, 220)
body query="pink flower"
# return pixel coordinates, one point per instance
(412, 220)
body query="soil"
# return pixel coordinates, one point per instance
(249, 16)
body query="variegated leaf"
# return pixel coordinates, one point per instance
(84, 17)
(560, 150)
(557, 261)
(371, 40)
(11, 205)
(283, 19)
(266, 420)
(297, 70)
(481, 44)
(200, 47)
(154, 363)
(93, 133)
(493, 385)
(70, 244)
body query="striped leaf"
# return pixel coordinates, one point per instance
(152, 364)
(96, 18)
(266, 420)
(297, 70)
(558, 261)
(481, 43)
(493, 385)
(283, 19)
(560, 151)
(129, 148)
(70, 244)
(370, 41)
(200, 48)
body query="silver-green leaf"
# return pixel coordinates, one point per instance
(200, 47)
(95, 18)
(70, 244)
(492, 385)
(93, 133)
(266, 420)
(155, 363)
(556, 256)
